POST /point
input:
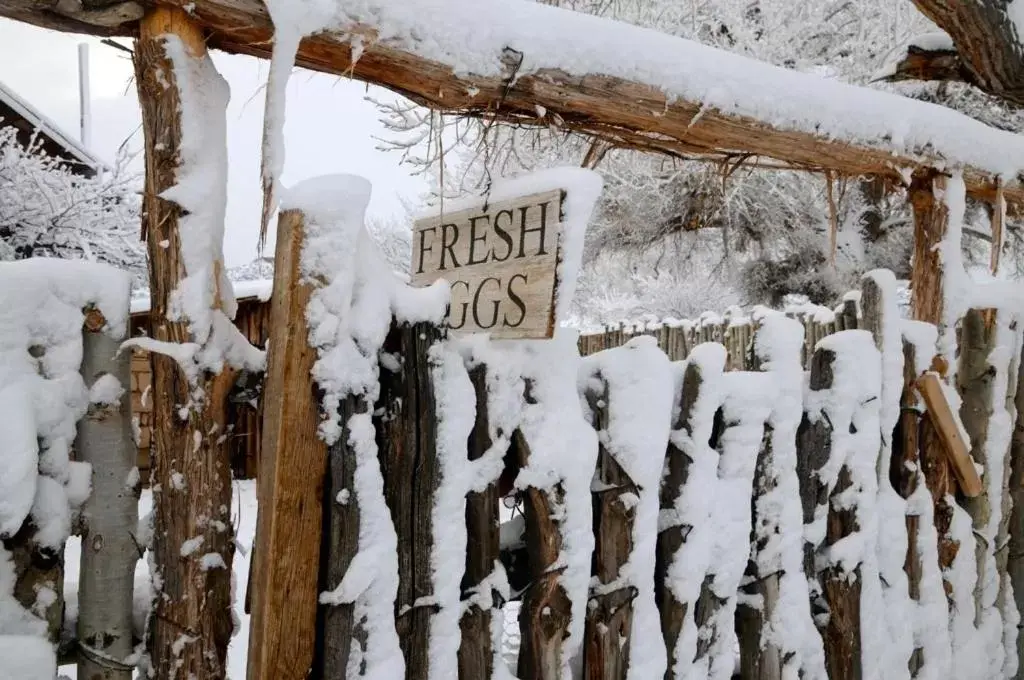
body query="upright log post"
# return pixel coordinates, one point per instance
(407, 444)
(931, 219)
(609, 620)
(110, 516)
(191, 623)
(1015, 556)
(476, 653)
(974, 382)
(293, 464)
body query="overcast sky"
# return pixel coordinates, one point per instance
(329, 126)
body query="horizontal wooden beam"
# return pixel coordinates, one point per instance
(627, 113)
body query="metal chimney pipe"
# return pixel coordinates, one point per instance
(85, 117)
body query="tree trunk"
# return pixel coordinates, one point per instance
(191, 623)
(1015, 560)
(109, 518)
(293, 462)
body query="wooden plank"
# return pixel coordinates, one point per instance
(500, 260)
(286, 556)
(941, 415)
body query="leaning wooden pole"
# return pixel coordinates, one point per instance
(110, 516)
(191, 622)
(286, 557)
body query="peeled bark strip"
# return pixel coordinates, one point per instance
(406, 441)
(974, 381)
(609, 620)
(476, 653)
(191, 623)
(109, 518)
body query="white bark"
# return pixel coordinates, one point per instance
(109, 519)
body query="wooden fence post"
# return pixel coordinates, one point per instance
(110, 516)
(931, 219)
(337, 621)
(406, 441)
(286, 554)
(476, 654)
(974, 382)
(1015, 555)
(546, 609)
(609, 622)
(191, 624)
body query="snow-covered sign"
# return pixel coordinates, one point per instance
(500, 259)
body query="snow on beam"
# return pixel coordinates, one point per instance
(635, 86)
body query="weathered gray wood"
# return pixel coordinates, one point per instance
(406, 441)
(546, 609)
(974, 382)
(337, 623)
(1015, 557)
(476, 653)
(813, 446)
(609, 619)
(109, 518)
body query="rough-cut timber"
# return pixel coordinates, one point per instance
(952, 443)
(109, 518)
(672, 539)
(609, 620)
(476, 653)
(191, 475)
(407, 445)
(974, 378)
(293, 465)
(546, 610)
(616, 110)
(341, 543)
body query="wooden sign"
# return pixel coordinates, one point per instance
(500, 260)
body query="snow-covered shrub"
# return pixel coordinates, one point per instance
(48, 211)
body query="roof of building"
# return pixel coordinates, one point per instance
(14, 110)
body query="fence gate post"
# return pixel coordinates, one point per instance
(110, 516)
(286, 554)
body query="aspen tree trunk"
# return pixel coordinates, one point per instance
(109, 518)
(191, 622)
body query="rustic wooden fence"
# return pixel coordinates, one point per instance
(825, 529)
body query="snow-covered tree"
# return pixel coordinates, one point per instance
(48, 211)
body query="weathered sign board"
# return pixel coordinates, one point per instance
(501, 261)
